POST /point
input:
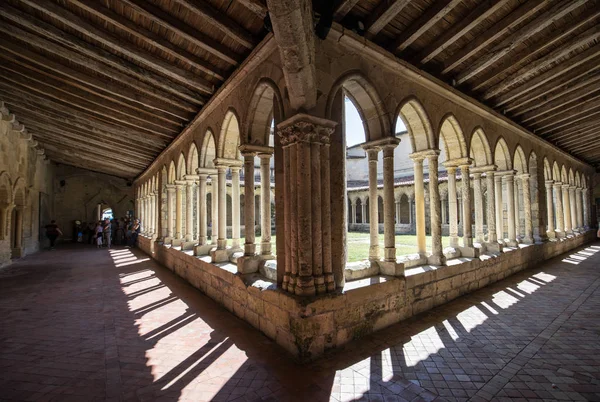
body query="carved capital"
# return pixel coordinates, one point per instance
(305, 128)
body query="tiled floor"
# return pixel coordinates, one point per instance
(81, 324)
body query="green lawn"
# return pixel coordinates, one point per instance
(358, 245)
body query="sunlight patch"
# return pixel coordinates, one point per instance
(504, 300)
(471, 318)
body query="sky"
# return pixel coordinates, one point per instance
(355, 131)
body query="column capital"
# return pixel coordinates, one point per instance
(483, 169)
(477, 175)
(458, 162)
(255, 149)
(206, 171)
(549, 182)
(373, 153)
(235, 169)
(565, 186)
(421, 155)
(191, 178)
(227, 163)
(382, 143)
(305, 128)
(179, 184)
(508, 177)
(524, 176)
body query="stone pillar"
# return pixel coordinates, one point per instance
(170, 210)
(437, 256)
(388, 200)
(560, 213)
(550, 210)
(214, 199)
(363, 206)
(222, 202)
(235, 207)
(444, 209)
(189, 210)
(373, 152)
(420, 203)
(265, 203)
(249, 243)
(499, 209)
(567, 206)
(353, 211)
(573, 208)
(528, 238)
(508, 179)
(578, 203)
(453, 206)
(586, 210)
(19, 229)
(202, 218)
(466, 207)
(178, 212)
(478, 194)
(517, 209)
(305, 140)
(157, 209)
(492, 239)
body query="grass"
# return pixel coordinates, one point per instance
(358, 245)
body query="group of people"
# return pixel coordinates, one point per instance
(119, 232)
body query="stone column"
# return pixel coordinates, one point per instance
(453, 206)
(560, 216)
(420, 203)
(189, 210)
(265, 203)
(499, 209)
(170, 210)
(249, 243)
(19, 229)
(157, 221)
(491, 212)
(178, 212)
(567, 206)
(353, 212)
(508, 179)
(305, 140)
(222, 202)
(437, 256)
(586, 206)
(466, 207)
(550, 210)
(517, 209)
(444, 208)
(528, 239)
(373, 152)
(235, 207)
(388, 200)
(202, 218)
(214, 199)
(478, 194)
(578, 203)
(363, 206)
(573, 208)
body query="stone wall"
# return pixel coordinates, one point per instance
(308, 327)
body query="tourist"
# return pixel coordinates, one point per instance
(135, 230)
(107, 230)
(98, 232)
(91, 232)
(52, 233)
(120, 232)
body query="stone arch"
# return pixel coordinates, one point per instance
(19, 192)
(502, 157)
(563, 175)
(571, 177)
(192, 160)
(480, 150)
(556, 172)
(5, 201)
(404, 204)
(181, 172)
(208, 151)
(451, 134)
(164, 179)
(519, 161)
(547, 169)
(266, 105)
(229, 137)
(417, 124)
(359, 214)
(577, 180)
(172, 173)
(367, 101)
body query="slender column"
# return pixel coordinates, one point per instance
(573, 208)
(249, 243)
(508, 179)
(397, 205)
(179, 210)
(478, 195)
(410, 210)
(420, 205)
(491, 207)
(19, 227)
(499, 209)
(189, 211)
(265, 203)
(444, 209)
(235, 207)
(353, 211)
(363, 206)
(437, 255)
(170, 210)
(202, 226)
(152, 214)
(214, 200)
(578, 203)
(452, 206)
(157, 222)
(528, 239)
(373, 204)
(466, 206)
(550, 209)
(560, 217)
(517, 209)
(586, 211)
(389, 232)
(222, 202)
(567, 207)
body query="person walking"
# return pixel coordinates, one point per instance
(135, 230)
(52, 233)
(98, 232)
(107, 230)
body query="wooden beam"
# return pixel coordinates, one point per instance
(543, 63)
(423, 23)
(257, 8)
(343, 8)
(589, 116)
(456, 31)
(509, 43)
(563, 102)
(98, 10)
(220, 21)
(170, 23)
(64, 158)
(567, 94)
(503, 26)
(168, 104)
(572, 133)
(74, 154)
(566, 113)
(586, 136)
(382, 15)
(117, 44)
(585, 141)
(532, 52)
(130, 120)
(549, 75)
(564, 83)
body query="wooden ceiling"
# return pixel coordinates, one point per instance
(107, 84)
(536, 61)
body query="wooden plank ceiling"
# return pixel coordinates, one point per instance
(536, 61)
(107, 84)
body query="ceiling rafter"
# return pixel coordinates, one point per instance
(382, 15)
(344, 8)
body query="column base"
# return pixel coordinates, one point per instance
(248, 264)
(391, 268)
(265, 248)
(235, 243)
(203, 249)
(527, 240)
(188, 245)
(389, 254)
(374, 253)
(17, 252)
(167, 240)
(219, 255)
(470, 252)
(221, 244)
(436, 260)
(494, 247)
(305, 286)
(512, 243)
(176, 242)
(551, 234)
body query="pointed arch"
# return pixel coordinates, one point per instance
(362, 93)
(519, 161)
(208, 151)
(266, 105)
(571, 177)
(417, 123)
(192, 162)
(563, 175)
(6, 194)
(577, 180)
(480, 150)
(181, 172)
(451, 134)
(19, 192)
(172, 173)
(502, 157)
(229, 137)
(556, 172)
(547, 169)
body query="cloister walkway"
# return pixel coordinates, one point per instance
(85, 324)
